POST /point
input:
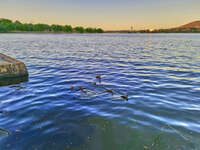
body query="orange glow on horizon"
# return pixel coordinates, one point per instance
(106, 15)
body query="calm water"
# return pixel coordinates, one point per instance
(160, 73)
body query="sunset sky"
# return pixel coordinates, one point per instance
(106, 14)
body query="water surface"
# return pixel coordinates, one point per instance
(159, 72)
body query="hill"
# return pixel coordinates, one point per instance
(193, 27)
(195, 24)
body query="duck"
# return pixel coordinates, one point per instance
(125, 97)
(72, 88)
(99, 78)
(82, 89)
(110, 91)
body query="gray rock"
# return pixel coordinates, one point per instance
(11, 69)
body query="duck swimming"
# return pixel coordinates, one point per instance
(99, 78)
(72, 88)
(110, 91)
(82, 89)
(125, 97)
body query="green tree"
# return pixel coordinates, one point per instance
(99, 30)
(68, 28)
(41, 27)
(3, 29)
(90, 30)
(57, 28)
(79, 30)
(7, 25)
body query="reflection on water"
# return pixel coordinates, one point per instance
(15, 80)
(97, 133)
(109, 134)
(159, 73)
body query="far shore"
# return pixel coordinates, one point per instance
(9, 26)
(105, 32)
(46, 33)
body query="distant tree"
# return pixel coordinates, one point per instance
(41, 27)
(57, 28)
(5, 21)
(19, 27)
(7, 25)
(68, 28)
(17, 22)
(90, 30)
(99, 30)
(79, 29)
(93, 30)
(3, 29)
(194, 30)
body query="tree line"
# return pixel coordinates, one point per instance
(7, 25)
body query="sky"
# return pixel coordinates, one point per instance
(106, 14)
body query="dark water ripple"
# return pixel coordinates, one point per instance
(160, 73)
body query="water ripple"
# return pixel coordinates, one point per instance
(160, 74)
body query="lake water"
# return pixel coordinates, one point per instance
(159, 72)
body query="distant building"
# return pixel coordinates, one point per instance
(131, 28)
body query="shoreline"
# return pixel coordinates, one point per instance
(46, 33)
(100, 33)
